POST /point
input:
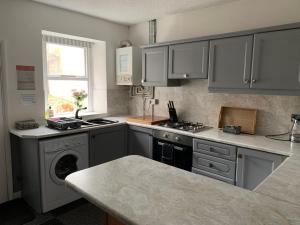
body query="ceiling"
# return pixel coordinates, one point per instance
(131, 11)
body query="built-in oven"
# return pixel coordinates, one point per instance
(173, 149)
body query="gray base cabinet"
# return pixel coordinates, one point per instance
(140, 141)
(188, 60)
(215, 160)
(230, 62)
(107, 144)
(254, 166)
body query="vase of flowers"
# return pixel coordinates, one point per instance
(79, 96)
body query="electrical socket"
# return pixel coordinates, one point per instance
(153, 101)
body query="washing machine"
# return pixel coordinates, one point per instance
(60, 157)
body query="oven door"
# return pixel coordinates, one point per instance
(179, 156)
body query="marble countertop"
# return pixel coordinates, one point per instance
(256, 142)
(45, 132)
(140, 191)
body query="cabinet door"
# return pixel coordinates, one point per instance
(276, 60)
(155, 67)
(140, 141)
(107, 144)
(188, 60)
(230, 62)
(254, 166)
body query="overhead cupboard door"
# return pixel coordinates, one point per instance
(155, 66)
(188, 60)
(276, 60)
(230, 62)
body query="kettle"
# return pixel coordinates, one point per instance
(295, 132)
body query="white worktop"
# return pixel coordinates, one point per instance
(140, 191)
(257, 142)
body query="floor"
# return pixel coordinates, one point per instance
(79, 212)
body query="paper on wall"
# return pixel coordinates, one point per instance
(25, 77)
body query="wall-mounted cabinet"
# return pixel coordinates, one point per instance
(128, 66)
(188, 60)
(230, 62)
(273, 67)
(261, 61)
(276, 60)
(155, 67)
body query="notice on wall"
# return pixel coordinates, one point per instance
(28, 99)
(25, 77)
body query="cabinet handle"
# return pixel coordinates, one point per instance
(185, 75)
(253, 81)
(240, 156)
(246, 81)
(143, 81)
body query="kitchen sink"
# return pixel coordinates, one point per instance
(100, 121)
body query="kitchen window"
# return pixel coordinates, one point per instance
(67, 74)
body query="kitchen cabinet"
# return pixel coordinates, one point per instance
(107, 144)
(188, 60)
(140, 141)
(276, 60)
(230, 63)
(215, 160)
(254, 166)
(155, 67)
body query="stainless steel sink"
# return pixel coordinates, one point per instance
(100, 121)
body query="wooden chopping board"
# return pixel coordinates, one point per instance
(147, 120)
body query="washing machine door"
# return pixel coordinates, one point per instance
(65, 163)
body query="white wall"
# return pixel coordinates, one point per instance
(21, 22)
(229, 17)
(192, 98)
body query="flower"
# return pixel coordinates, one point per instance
(79, 96)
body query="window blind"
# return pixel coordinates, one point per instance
(67, 41)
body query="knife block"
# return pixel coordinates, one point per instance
(173, 115)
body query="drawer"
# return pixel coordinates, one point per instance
(214, 176)
(215, 149)
(214, 165)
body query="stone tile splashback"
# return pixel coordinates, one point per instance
(117, 101)
(193, 102)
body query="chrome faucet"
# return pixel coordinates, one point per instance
(77, 111)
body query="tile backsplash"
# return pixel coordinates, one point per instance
(193, 102)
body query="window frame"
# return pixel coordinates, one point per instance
(88, 76)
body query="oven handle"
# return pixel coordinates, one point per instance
(174, 146)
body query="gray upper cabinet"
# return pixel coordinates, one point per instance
(188, 60)
(230, 62)
(155, 67)
(107, 144)
(254, 166)
(140, 141)
(276, 60)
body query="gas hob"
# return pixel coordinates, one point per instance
(185, 126)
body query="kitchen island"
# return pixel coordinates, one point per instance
(139, 191)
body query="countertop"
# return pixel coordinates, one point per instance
(257, 142)
(283, 184)
(140, 191)
(45, 132)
